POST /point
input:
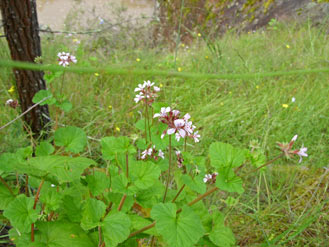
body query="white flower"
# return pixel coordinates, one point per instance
(65, 59)
(148, 84)
(178, 152)
(156, 89)
(161, 154)
(293, 99)
(52, 185)
(196, 136)
(302, 153)
(163, 112)
(187, 117)
(138, 98)
(139, 88)
(294, 138)
(178, 129)
(10, 101)
(73, 59)
(175, 112)
(101, 21)
(207, 178)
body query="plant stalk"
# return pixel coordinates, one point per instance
(145, 123)
(200, 197)
(178, 193)
(35, 205)
(169, 169)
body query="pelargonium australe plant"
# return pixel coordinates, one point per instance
(56, 195)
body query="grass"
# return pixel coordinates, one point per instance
(287, 204)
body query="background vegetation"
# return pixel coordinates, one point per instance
(286, 204)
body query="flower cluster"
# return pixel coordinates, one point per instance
(210, 178)
(64, 59)
(152, 152)
(147, 92)
(181, 127)
(286, 148)
(12, 103)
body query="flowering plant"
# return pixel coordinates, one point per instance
(134, 196)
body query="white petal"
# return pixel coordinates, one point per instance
(294, 138)
(171, 131)
(182, 133)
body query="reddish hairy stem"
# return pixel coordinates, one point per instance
(142, 229)
(180, 191)
(123, 199)
(200, 197)
(99, 236)
(7, 186)
(27, 186)
(34, 207)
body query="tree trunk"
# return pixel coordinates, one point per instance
(21, 29)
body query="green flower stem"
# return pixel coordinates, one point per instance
(35, 205)
(185, 141)
(148, 122)
(168, 178)
(178, 193)
(7, 186)
(62, 86)
(127, 166)
(145, 123)
(200, 197)
(266, 164)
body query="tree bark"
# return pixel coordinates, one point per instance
(21, 28)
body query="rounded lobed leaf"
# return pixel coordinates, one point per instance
(116, 228)
(72, 138)
(183, 230)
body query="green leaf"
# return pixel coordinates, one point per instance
(24, 153)
(140, 124)
(72, 208)
(5, 197)
(92, 212)
(222, 235)
(62, 234)
(225, 155)
(144, 174)
(44, 149)
(182, 231)
(72, 138)
(148, 198)
(98, 182)
(66, 106)
(196, 184)
(51, 199)
(8, 162)
(21, 239)
(64, 168)
(228, 181)
(112, 146)
(44, 94)
(21, 214)
(116, 228)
